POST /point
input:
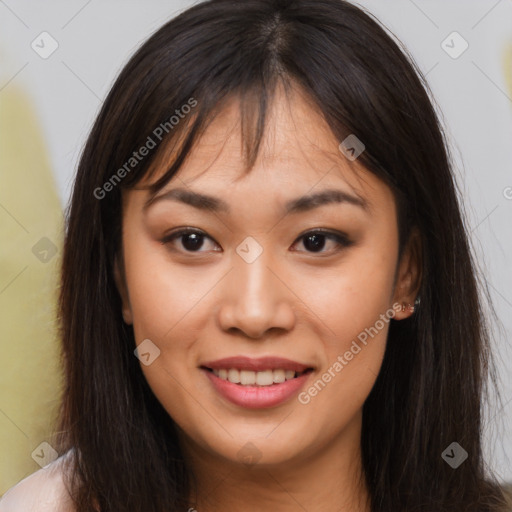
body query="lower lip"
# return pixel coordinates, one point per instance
(257, 397)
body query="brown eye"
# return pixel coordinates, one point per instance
(315, 241)
(192, 239)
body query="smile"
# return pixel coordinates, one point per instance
(256, 383)
(252, 378)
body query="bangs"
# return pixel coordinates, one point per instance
(253, 105)
(210, 63)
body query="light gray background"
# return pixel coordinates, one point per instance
(97, 37)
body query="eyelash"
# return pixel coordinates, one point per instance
(342, 240)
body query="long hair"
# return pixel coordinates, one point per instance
(432, 383)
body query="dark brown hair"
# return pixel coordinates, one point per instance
(432, 383)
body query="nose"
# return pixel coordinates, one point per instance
(256, 299)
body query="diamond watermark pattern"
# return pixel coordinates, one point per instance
(44, 45)
(147, 352)
(454, 455)
(454, 45)
(249, 454)
(44, 250)
(249, 249)
(352, 147)
(44, 454)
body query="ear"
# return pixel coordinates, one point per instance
(120, 281)
(409, 276)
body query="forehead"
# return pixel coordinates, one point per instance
(298, 154)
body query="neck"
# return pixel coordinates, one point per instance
(326, 478)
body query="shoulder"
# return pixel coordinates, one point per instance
(42, 491)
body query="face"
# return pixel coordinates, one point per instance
(258, 274)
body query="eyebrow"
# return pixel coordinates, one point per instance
(301, 204)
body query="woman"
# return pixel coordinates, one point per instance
(268, 300)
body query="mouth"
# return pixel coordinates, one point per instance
(257, 383)
(252, 378)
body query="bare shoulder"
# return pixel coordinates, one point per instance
(42, 491)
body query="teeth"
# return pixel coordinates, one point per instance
(233, 376)
(265, 378)
(247, 377)
(250, 378)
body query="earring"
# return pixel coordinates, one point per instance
(411, 307)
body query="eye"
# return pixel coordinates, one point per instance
(192, 240)
(314, 241)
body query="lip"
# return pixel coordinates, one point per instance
(257, 397)
(256, 364)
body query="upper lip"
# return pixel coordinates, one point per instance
(256, 364)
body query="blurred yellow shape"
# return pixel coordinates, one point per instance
(30, 239)
(507, 66)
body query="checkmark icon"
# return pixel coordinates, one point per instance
(44, 454)
(44, 45)
(454, 455)
(249, 249)
(351, 147)
(44, 250)
(146, 352)
(450, 454)
(454, 45)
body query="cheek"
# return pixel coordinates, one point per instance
(354, 342)
(170, 305)
(162, 293)
(164, 301)
(353, 305)
(351, 296)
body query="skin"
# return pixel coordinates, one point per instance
(293, 301)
